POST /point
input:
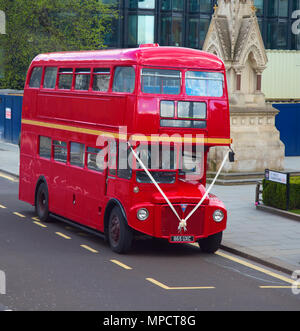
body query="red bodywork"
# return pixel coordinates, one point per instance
(77, 116)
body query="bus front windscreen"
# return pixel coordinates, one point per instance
(206, 84)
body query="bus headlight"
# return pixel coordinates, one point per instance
(142, 214)
(218, 215)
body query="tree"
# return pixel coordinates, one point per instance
(41, 26)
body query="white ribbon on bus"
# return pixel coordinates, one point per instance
(182, 222)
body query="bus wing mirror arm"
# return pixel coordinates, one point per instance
(231, 155)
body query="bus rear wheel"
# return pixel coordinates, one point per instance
(42, 203)
(119, 234)
(211, 244)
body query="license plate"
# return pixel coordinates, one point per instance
(182, 239)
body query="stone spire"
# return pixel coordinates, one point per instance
(235, 37)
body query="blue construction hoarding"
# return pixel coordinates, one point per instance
(10, 116)
(288, 124)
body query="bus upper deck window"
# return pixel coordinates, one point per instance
(161, 81)
(101, 79)
(65, 78)
(36, 77)
(206, 84)
(50, 77)
(124, 79)
(82, 79)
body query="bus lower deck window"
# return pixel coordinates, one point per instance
(77, 154)
(95, 161)
(45, 147)
(60, 151)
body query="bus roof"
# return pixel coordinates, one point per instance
(151, 55)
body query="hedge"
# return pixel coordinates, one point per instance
(274, 194)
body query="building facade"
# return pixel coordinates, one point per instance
(185, 22)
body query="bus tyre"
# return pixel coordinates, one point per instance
(211, 244)
(42, 203)
(119, 233)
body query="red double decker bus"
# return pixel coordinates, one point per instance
(91, 121)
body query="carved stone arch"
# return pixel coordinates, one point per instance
(257, 57)
(2, 22)
(214, 50)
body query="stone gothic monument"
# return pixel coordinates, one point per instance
(235, 37)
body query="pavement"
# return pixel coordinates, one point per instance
(272, 240)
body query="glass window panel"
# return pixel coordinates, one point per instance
(204, 25)
(177, 28)
(177, 5)
(124, 79)
(101, 79)
(77, 152)
(206, 6)
(82, 79)
(146, 29)
(60, 151)
(195, 110)
(194, 30)
(95, 161)
(124, 165)
(166, 4)
(282, 35)
(283, 8)
(132, 30)
(50, 77)
(45, 147)
(259, 4)
(161, 81)
(65, 78)
(146, 4)
(204, 83)
(36, 77)
(166, 31)
(167, 109)
(194, 6)
(273, 8)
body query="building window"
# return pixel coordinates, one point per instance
(140, 29)
(142, 4)
(171, 30)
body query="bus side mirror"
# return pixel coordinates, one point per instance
(231, 156)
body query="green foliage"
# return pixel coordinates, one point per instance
(274, 194)
(41, 26)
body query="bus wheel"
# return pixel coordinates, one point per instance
(119, 233)
(42, 203)
(212, 243)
